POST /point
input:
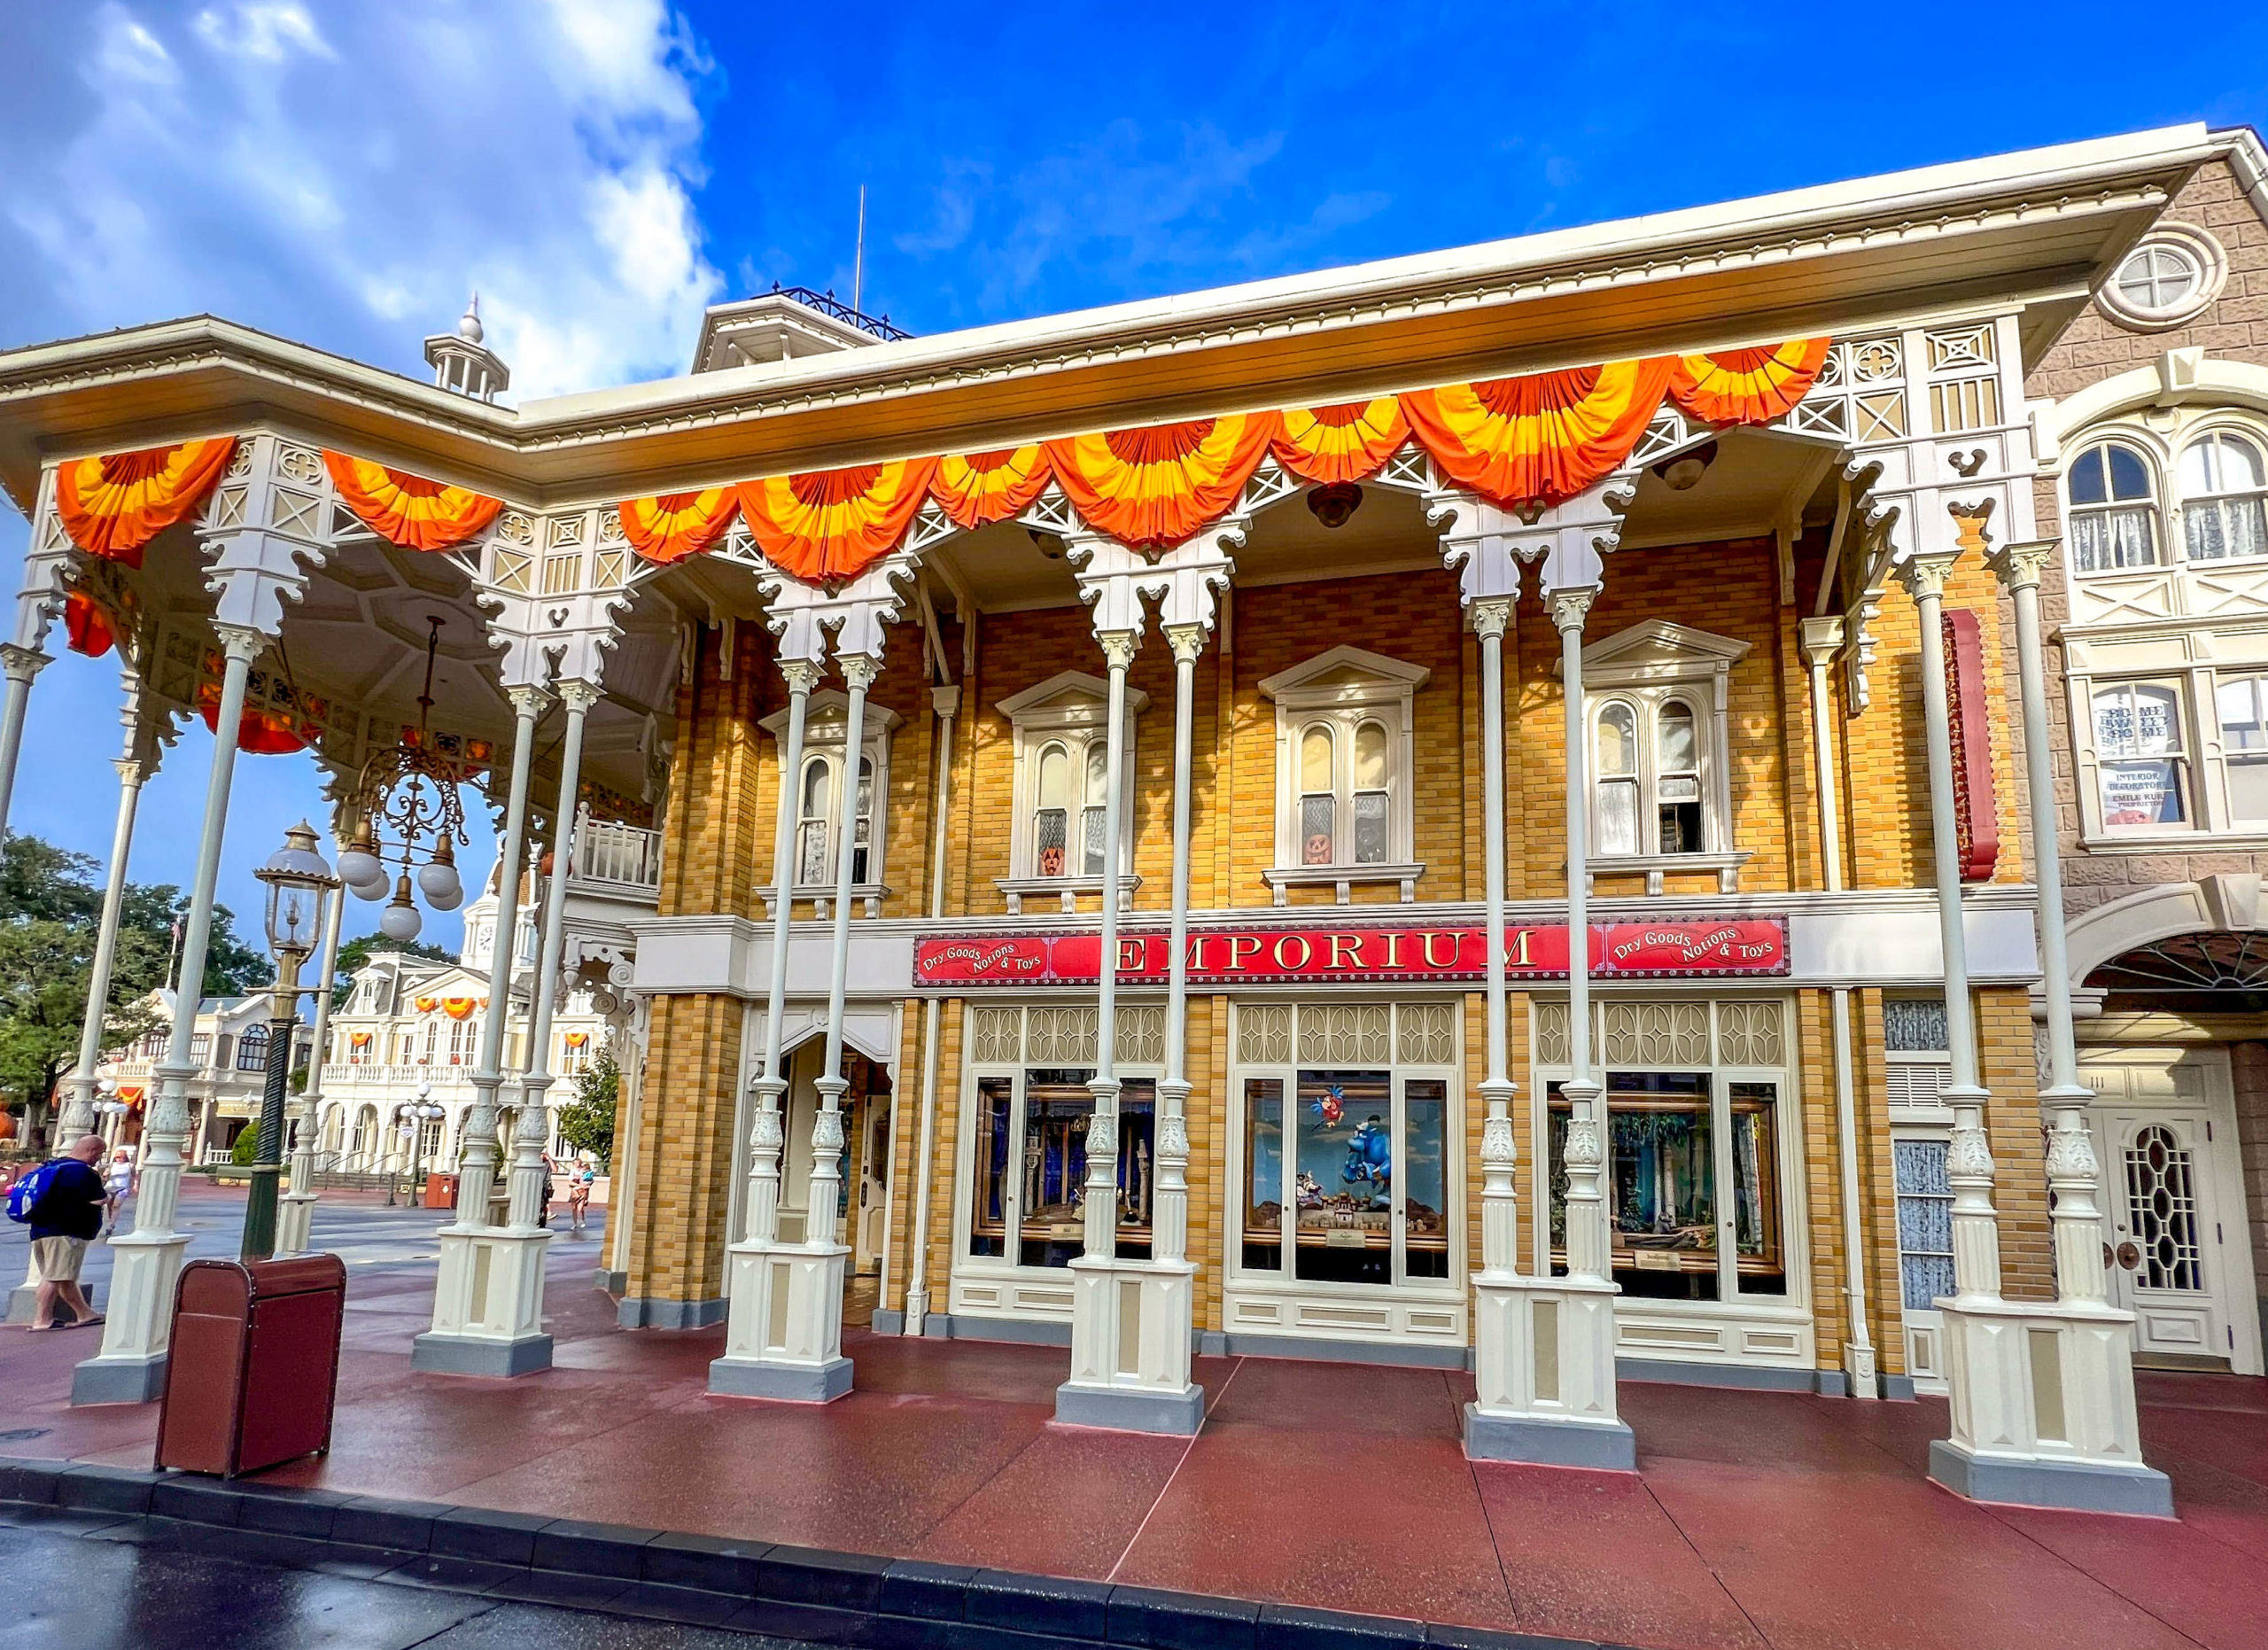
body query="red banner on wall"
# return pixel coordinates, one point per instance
(1358, 953)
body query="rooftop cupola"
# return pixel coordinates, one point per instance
(463, 363)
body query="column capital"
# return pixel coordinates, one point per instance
(579, 694)
(1119, 646)
(1924, 573)
(859, 671)
(21, 662)
(1490, 616)
(526, 701)
(2018, 566)
(1187, 641)
(241, 641)
(1571, 605)
(1821, 638)
(802, 674)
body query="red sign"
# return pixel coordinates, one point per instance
(1360, 953)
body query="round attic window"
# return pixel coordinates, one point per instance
(2167, 279)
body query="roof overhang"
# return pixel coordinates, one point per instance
(2035, 230)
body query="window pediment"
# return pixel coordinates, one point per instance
(1660, 650)
(1344, 674)
(829, 719)
(1069, 698)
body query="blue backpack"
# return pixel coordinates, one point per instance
(23, 1197)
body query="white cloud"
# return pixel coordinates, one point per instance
(345, 174)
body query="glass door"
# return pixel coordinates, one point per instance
(1029, 1203)
(1360, 1160)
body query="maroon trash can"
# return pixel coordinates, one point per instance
(253, 1376)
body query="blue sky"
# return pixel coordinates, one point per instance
(600, 169)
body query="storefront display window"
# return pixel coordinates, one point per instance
(1031, 1166)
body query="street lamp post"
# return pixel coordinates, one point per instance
(298, 878)
(414, 1116)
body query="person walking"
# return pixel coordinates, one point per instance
(579, 1179)
(64, 1220)
(118, 1181)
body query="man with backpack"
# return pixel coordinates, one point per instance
(62, 1201)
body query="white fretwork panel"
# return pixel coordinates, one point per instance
(1654, 1033)
(995, 1036)
(1343, 1034)
(1062, 1037)
(1264, 1035)
(1750, 1034)
(1427, 1034)
(1142, 1034)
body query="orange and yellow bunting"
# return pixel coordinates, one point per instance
(1154, 487)
(1747, 385)
(827, 527)
(259, 733)
(407, 509)
(88, 625)
(457, 1007)
(426, 1005)
(674, 526)
(1542, 438)
(1348, 442)
(978, 488)
(113, 505)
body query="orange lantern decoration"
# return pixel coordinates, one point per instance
(113, 505)
(457, 1007)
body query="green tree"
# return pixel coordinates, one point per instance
(587, 1122)
(247, 1150)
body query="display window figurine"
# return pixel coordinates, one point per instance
(1370, 1157)
(1331, 1106)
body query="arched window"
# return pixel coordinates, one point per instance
(812, 821)
(1369, 794)
(2113, 510)
(1051, 820)
(817, 801)
(2222, 485)
(251, 1049)
(1647, 784)
(1092, 834)
(1318, 799)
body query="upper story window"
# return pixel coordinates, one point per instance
(2222, 485)
(2141, 764)
(2167, 279)
(2114, 509)
(819, 791)
(1345, 752)
(251, 1049)
(1061, 729)
(1661, 786)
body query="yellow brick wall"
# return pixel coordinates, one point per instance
(685, 1157)
(2010, 1074)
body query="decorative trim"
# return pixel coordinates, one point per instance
(2189, 241)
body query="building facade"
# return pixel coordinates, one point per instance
(1468, 810)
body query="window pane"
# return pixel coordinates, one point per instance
(810, 854)
(1058, 1108)
(1618, 816)
(2086, 482)
(1345, 1160)
(1660, 1185)
(1675, 737)
(1681, 828)
(1370, 757)
(1617, 740)
(1137, 1158)
(988, 1229)
(1369, 827)
(815, 787)
(2136, 720)
(2238, 464)
(2248, 789)
(1315, 819)
(1915, 1024)
(1098, 771)
(2142, 793)
(1425, 1181)
(865, 808)
(1094, 840)
(1756, 1189)
(1315, 760)
(1925, 1222)
(2103, 541)
(1264, 1204)
(2198, 468)
(1048, 841)
(2238, 703)
(2130, 477)
(1054, 777)
(2219, 529)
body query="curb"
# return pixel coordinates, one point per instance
(753, 1586)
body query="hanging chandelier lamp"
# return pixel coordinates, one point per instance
(409, 810)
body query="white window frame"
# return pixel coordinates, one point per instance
(2185, 503)
(2151, 507)
(2188, 244)
(2187, 687)
(1646, 665)
(1072, 709)
(1339, 689)
(825, 728)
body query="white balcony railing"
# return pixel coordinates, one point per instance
(617, 856)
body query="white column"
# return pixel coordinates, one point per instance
(296, 1215)
(21, 664)
(946, 702)
(1821, 641)
(1100, 1208)
(1169, 1206)
(477, 1326)
(131, 1366)
(2043, 1409)
(760, 1270)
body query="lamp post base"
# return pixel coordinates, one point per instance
(1543, 1363)
(295, 1224)
(783, 1315)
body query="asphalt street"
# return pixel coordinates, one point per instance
(110, 1589)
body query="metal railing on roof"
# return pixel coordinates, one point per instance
(828, 305)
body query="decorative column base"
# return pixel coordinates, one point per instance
(295, 1222)
(917, 1313)
(2043, 1409)
(487, 1304)
(1544, 1363)
(1859, 1370)
(131, 1366)
(783, 1337)
(1129, 1348)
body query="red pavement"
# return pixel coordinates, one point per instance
(1754, 1518)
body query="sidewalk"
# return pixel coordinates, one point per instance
(1755, 1518)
